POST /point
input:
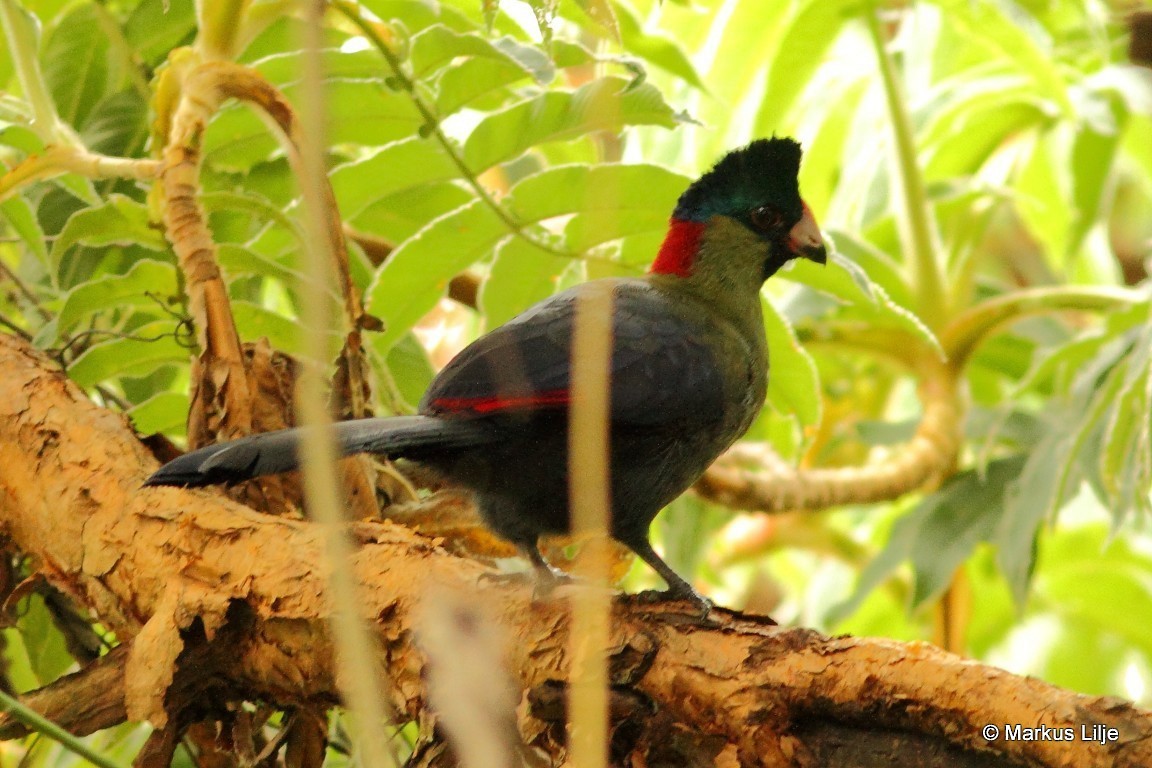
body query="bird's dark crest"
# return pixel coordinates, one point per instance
(764, 172)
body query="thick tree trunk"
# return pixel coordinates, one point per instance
(218, 603)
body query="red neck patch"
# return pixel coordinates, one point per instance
(678, 252)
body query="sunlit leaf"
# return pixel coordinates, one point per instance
(603, 104)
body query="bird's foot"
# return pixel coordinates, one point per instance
(544, 580)
(500, 577)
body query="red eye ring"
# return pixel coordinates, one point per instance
(766, 218)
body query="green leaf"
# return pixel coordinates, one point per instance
(359, 112)
(473, 82)
(522, 274)
(157, 26)
(47, 652)
(1018, 39)
(150, 346)
(417, 273)
(962, 514)
(438, 45)
(401, 215)
(393, 167)
(809, 33)
(940, 533)
(286, 68)
(146, 283)
(19, 214)
(21, 137)
(118, 125)
(76, 66)
(605, 104)
(972, 118)
(120, 221)
(164, 412)
(237, 260)
(1093, 165)
(846, 281)
(409, 370)
(1126, 457)
(654, 47)
(254, 321)
(793, 383)
(611, 201)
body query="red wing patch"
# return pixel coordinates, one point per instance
(494, 404)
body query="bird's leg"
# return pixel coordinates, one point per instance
(678, 589)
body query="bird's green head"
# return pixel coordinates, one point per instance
(757, 187)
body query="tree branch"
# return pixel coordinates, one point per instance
(180, 571)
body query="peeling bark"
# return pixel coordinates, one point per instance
(222, 604)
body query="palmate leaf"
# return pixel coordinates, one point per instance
(940, 533)
(1074, 449)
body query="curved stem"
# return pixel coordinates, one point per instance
(961, 336)
(924, 461)
(432, 125)
(927, 275)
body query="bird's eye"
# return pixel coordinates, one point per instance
(766, 218)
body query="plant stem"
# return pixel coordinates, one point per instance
(357, 654)
(432, 125)
(969, 328)
(927, 275)
(58, 160)
(37, 722)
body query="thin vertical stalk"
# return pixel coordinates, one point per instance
(20, 33)
(927, 274)
(357, 658)
(590, 501)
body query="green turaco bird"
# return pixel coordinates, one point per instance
(689, 373)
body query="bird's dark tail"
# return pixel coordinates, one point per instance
(273, 452)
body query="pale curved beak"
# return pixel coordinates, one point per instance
(805, 239)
